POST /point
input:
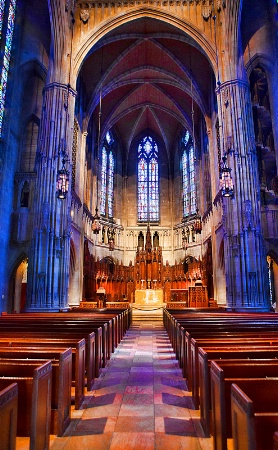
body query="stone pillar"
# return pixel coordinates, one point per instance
(48, 269)
(245, 257)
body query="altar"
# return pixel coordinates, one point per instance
(149, 297)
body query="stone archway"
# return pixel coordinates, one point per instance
(18, 286)
(272, 262)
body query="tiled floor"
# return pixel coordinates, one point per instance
(139, 402)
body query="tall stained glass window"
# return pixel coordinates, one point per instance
(107, 177)
(148, 189)
(188, 176)
(9, 22)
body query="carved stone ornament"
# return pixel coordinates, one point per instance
(84, 15)
(206, 12)
(248, 213)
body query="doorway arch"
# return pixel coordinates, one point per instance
(18, 286)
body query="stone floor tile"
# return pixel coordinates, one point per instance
(140, 401)
(139, 424)
(136, 410)
(133, 441)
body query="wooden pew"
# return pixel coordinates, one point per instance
(8, 416)
(78, 357)
(116, 323)
(184, 326)
(83, 352)
(223, 374)
(61, 360)
(193, 368)
(34, 400)
(85, 322)
(64, 329)
(236, 335)
(206, 356)
(254, 409)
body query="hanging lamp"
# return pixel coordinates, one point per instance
(226, 181)
(198, 220)
(96, 218)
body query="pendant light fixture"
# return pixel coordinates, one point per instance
(96, 217)
(198, 220)
(226, 181)
(63, 174)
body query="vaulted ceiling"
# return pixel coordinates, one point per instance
(146, 73)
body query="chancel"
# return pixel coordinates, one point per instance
(138, 168)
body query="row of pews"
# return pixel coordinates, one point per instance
(230, 362)
(47, 360)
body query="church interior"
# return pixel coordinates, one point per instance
(139, 173)
(139, 151)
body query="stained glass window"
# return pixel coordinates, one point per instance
(2, 7)
(110, 190)
(103, 181)
(107, 177)
(148, 188)
(188, 176)
(7, 53)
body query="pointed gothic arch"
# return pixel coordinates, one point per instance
(18, 285)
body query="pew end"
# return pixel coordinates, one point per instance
(8, 416)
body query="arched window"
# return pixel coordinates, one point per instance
(107, 177)
(188, 176)
(7, 20)
(148, 192)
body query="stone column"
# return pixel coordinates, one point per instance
(48, 269)
(245, 258)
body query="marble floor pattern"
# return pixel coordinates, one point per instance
(139, 402)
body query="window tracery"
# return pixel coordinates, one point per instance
(7, 53)
(107, 177)
(188, 176)
(148, 184)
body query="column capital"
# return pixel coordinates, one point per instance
(63, 86)
(229, 83)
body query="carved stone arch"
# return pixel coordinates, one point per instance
(33, 67)
(18, 284)
(29, 139)
(198, 37)
(261, 60)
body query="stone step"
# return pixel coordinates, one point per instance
(149, 315)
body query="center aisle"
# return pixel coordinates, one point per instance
(140, 401)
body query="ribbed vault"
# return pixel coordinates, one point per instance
(146, 73)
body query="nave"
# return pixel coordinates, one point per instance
(140, 401)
